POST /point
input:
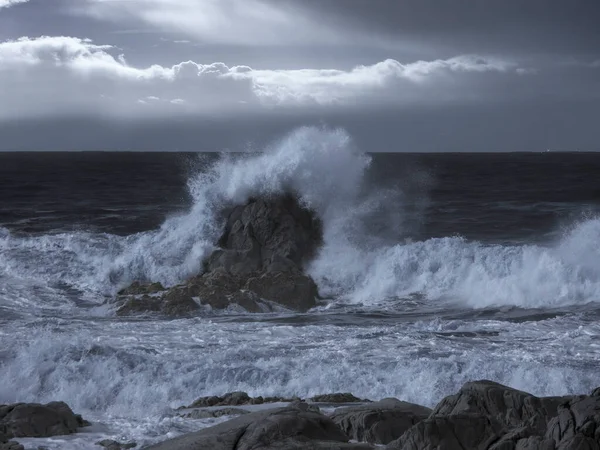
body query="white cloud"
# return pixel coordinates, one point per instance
(8, 3)
(53, 75)
(238, 22)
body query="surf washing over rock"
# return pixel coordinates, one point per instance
(396, 316)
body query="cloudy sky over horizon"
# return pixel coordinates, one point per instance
(401, 75)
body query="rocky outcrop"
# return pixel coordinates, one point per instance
(258, 265)
(380, 422)
(35, 420)
(282, 428)
(483, 415)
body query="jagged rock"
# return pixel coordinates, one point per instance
(512, 408)
(262, 252)
(596, 392)
(577, 425)
(282, 428)
(338, 397)
(35, 420)
(109, 444)
(380, 422)
(456, 432)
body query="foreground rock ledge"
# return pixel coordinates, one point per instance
(483, 415)
(258, 265)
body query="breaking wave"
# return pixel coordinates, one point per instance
(367, 257)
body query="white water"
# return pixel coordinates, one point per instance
(59, 340)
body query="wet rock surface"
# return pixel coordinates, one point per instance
(109, 444)
(36, 420)
(258, 265)
(483, 415)
(281, 428)
(379, 422)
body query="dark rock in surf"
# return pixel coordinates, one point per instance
(35, 420)
(379, 422)
(258, 266)
(281, 428)
(214, 413)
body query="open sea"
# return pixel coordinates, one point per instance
(436, 269)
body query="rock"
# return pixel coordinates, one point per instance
(456, 432)
(291, 289)
(11, 445)
(214, 413)
(380, 422)
(577, 425)
(596, 392)
(270, 234)
(281, 428)
(512, 408)
(114, 445)
(138, 288)
(236, 399)
(262, 252)
(35, 420)
(337, 397)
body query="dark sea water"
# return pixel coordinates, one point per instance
(438, 269)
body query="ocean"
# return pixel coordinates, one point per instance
(436, 269)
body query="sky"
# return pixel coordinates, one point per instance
(212, 75)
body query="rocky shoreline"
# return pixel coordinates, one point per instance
(483, 415)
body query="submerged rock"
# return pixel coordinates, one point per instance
(262, 252)
(36, 420)
(379, 422)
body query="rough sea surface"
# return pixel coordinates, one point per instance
(437, 269)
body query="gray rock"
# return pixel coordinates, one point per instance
(11, 445)
(577, 425)
(281, 428)
(513, 408)
(456, 432)
(380, 422)
(262, 252)
(214, 413)
(338, 397)
(35, 420)
(109, 444)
